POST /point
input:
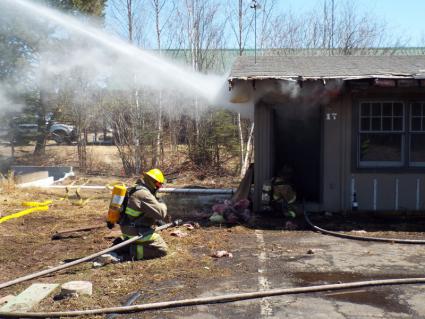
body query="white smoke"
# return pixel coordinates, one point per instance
(78, 54)
(8, 102)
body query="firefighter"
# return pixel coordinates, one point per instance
(142, 212)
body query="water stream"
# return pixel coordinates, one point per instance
(161, 70)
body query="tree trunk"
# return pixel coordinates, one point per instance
(249, 148)
(40, 146)
(241, 143)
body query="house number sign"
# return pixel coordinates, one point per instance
(331, 116)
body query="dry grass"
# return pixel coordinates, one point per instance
(104, 160)
(7, 182)
(26, 247)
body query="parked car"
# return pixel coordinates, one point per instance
(61, 133)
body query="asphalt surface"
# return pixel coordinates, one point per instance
(267, 259)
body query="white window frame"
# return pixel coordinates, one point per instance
(402, 132)
(416, 132)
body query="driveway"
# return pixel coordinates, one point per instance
(265, 259)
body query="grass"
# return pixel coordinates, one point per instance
(26, 247)
(7, 182)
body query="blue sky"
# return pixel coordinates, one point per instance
(406, 17)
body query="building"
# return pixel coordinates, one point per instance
(351, 128)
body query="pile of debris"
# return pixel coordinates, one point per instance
(232, 212)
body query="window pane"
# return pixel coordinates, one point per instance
(387, 124)
(417, 148)
(398, 109)
(398, 124)
(380, 147)
(365, 109)
(376, 124)
(416, 124)
(387, 109)
(376, 109)
(365, 124)
(416, 109)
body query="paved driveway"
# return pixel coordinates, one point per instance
(267, 259)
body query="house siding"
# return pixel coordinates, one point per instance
(387, 189)
(264, 155)
(379, 189)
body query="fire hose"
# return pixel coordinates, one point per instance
(365, 238)
(84, 259)
(211, 300)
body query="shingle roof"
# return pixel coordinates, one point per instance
(328, 67)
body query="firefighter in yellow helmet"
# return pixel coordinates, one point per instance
(141, 213)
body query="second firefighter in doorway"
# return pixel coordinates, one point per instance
(142, 212)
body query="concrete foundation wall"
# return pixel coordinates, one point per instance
(30, 177)
(57, 172)
(184, 205)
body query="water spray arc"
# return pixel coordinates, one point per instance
(199, 84)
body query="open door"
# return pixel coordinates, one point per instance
(298, 147)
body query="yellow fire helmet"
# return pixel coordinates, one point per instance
(156, 175)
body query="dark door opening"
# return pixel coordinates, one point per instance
(298, 147)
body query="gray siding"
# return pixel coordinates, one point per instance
(389, 191)
(264, 157)
(333, 156)
(379, 190)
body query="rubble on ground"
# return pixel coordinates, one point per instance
(179, 234)
(75, 289)
(105, 259)
(222, 253)
(231, 212)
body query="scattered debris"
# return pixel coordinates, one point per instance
(222, 253)
(105, 259)
(179, 234)
(189, 226)
(231, 212)
(30, 297)
(75, 289)
(6, 299)
(194, 224)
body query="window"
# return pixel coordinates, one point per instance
(417, 134)
(391, 134)
(381, 134)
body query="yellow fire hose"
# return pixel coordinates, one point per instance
(35, 207)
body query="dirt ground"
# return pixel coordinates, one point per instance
(265, 256)
(26, 246)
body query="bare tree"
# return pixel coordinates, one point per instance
(129, 19)
(160, 8)
(202, 34)
(267, 13)
(240, 20)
